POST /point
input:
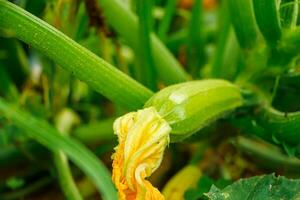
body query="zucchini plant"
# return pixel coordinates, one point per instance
(149, 100)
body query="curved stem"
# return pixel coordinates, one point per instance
(66, 180)
(83, 64)
(64, 122)
(268, 153)
(45, 134)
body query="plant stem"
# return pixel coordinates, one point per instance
(196, 56)
(224, 27)
(64, 122)
(267, 19)
(95, 132)
(66, 180)
(126, 24)
(45, 134)
(268, 153)
(144, 9)
(285, 127)
(166, 21)
(295, 15)
(83, 64)
(242, 18)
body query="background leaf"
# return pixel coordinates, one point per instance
(266, 187)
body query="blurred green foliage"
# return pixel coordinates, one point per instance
(121, 52)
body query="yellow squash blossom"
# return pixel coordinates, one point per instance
(143, 137)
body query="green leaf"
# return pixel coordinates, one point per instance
(47, 135)
(266, 187)
(203, 186)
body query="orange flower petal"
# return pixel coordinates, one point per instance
(143, 137)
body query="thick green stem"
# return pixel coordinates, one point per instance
(45, 134)
(126, 24)
(267, 19)
(83, 64)
(144, 9)
(242, 17)
(285, 127)
(270, 155)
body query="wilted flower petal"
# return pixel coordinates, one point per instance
(143, 137)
